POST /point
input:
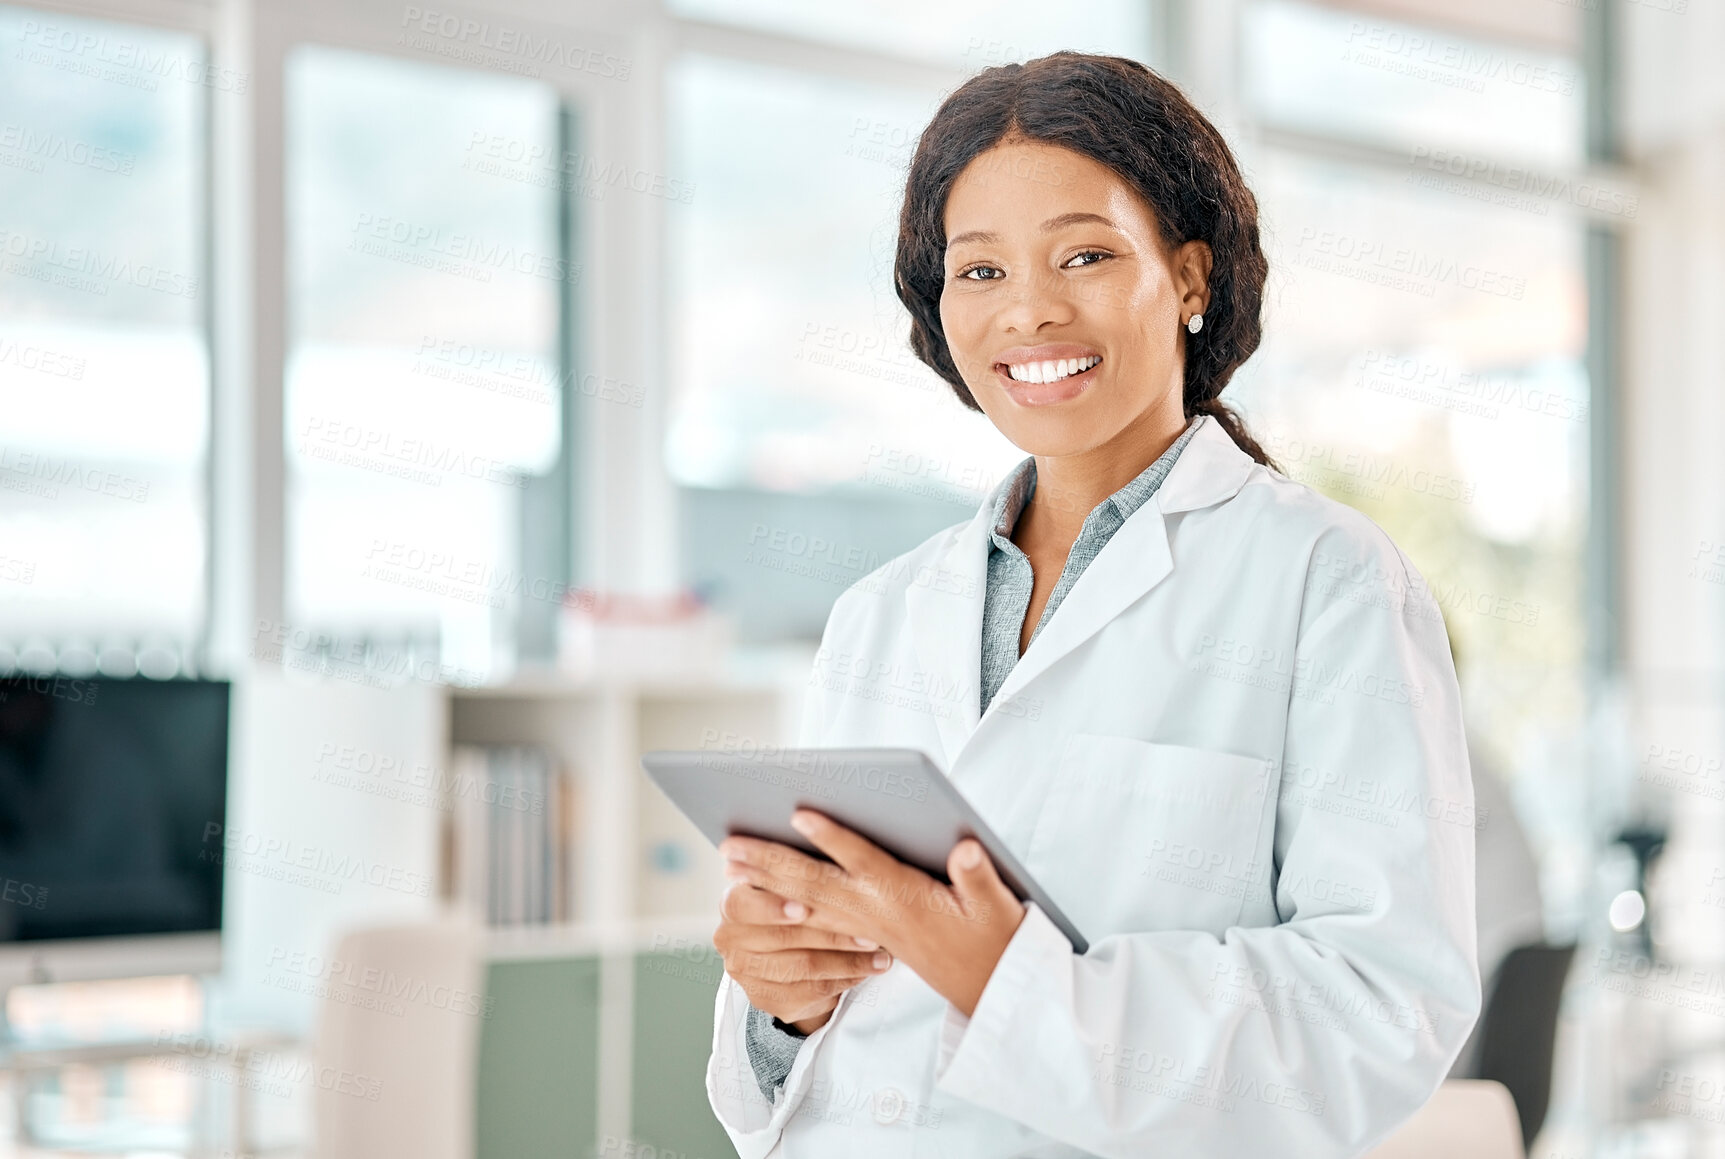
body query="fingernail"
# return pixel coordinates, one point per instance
(864, 943)
(882, 960)
(970, 856)
(802, 823)
(795, 911)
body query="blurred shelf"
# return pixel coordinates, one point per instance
(230, 1049)
(591, 939)
(752, 670)
(643, 879)
(636, 857)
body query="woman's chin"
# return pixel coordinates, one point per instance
(1052, 435)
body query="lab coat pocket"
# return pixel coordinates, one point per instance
(1138, 837)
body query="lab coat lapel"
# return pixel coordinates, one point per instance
(945, 619)
(1136, 557)
(1134, 560)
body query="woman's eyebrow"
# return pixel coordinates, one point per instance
(1059, 222)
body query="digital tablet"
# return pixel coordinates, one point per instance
(897, 798)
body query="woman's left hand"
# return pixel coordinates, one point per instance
(950, 936)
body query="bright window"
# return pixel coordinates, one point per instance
(104, 367)
(422, 386)
(1350, 74)
(791, 362)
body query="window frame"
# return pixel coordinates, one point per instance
(622, 503)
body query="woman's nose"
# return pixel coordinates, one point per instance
(1033, 301)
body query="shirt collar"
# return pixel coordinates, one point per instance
(1021, 485)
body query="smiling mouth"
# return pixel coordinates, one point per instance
(1049, 371)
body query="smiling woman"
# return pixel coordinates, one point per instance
(1194, 677)
(1169, 225)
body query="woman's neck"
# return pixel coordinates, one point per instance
(1068, 487)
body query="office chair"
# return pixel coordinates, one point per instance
(1518, 1032)
(1466, 1117)
(397, 1044)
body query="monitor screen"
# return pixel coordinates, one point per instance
(108, 790)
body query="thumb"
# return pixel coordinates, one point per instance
(975, 880)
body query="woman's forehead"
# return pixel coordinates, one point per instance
(1038, 187)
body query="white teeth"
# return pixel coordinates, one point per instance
(1040, 372)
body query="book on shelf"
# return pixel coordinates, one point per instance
(510, 832)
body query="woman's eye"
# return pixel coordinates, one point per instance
(990, 271)
(1095, 255)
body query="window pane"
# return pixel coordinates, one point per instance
(1423, 361)
(975, 33)
(791, 365)
(422, 385)
(104, 373)
(1407, 87)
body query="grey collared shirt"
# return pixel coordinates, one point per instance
(773, 1050)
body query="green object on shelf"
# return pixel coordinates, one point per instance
(674, 993)
(539, 1061)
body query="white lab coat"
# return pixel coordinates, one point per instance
(1234, 757)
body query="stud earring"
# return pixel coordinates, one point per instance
(1195, 323)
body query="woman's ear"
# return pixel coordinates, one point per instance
(1191, 267)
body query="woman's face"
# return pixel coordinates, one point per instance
(1053, 259)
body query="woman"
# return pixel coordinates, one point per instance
(1210, 710)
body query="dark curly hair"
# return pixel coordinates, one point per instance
(1121, 114)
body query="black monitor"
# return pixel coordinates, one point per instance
(108, 791)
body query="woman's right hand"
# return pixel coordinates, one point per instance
(792, 971)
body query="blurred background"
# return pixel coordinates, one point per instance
(412, 414)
